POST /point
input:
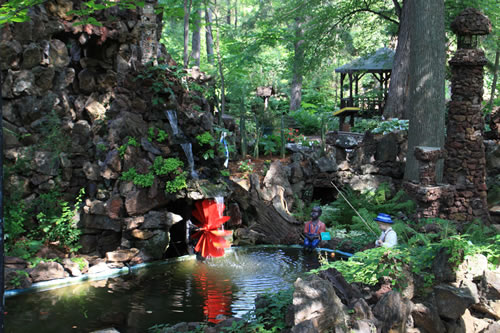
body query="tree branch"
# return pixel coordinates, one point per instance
(397, 8)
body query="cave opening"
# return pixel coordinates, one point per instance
(324, 195)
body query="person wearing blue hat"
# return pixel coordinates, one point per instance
(388, 237)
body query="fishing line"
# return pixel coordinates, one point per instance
(362, 219)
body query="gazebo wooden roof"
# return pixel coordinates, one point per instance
(379, 64)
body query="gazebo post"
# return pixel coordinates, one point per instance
(350, 90)
(342, 76)
(356, 77)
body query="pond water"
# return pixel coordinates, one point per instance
(184, 290)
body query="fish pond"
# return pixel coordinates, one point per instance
(181, 290)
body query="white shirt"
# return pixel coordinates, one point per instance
(388, 238)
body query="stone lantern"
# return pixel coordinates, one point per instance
(470, 24)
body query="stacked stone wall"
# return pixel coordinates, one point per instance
(71, 99)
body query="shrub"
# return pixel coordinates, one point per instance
(245, 166)
(58, 224)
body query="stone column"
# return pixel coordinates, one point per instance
(465, 165)
(148, 43)
(431, 198)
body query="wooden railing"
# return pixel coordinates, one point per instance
(370, 105)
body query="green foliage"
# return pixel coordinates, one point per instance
(53, 138)
(80, 262)
(163, 166)
(157, 134)
(369, 266)
(101, 147)
(392, 125)
(16, 10)
(177, 184)
(207, 139)
(131, 141)
(376, 125)
(88, 8)
(225, 173)
(161, 78)
(16, 280)
(24, 248)
(57, 222)
(142, 180)
(245, 166)
(308, 120)
(16, 215)
(368, 204)
(270, 144)
(170, 168)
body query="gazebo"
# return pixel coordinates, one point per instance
(379, 64)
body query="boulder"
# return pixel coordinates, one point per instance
(15, 262)
(16, 279)
(427, 318)
(491, 282)
(123, 255)
(72, 267)
(451, 301)
(138, 202)
(472, 268)
(441, 267)
(98, 268)
(156, 245)
(392, 311)
(317, 306)
(11, 54)
(58, 53)
(101, 222)
(45, 271)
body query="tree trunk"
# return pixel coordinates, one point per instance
(235, 13)
(243, 129)
(2, 220)
(427, 67)
(187, 10)
(397, 99)
(228, 17)
(298, 64)
(209, 39)
(195, 44)
(495, 78)
(265, 221)
(222, 109)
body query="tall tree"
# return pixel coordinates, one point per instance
(228, 16)
(222, 108)
(209, 37)
(196, 40)
(427, 69)
(397, 101)
(298, 66)
(495, 78)
(187, 12)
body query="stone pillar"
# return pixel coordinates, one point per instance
(431, 198)
(465, 164)
(149, 41)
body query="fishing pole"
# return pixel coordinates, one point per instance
(362, 219)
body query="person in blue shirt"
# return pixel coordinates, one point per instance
(388, 237)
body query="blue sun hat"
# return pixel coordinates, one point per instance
(384, 218)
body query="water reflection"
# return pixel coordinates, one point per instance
(216, 291)
(163, 294)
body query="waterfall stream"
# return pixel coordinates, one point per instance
(186, 146)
